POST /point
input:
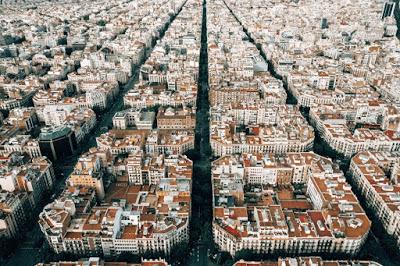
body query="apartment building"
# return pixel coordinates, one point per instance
(96, 261)
(23, 183)
(376, 176)
(89, 172)
(358, 126)
(23, 118)
(133, 119)
(166, 141)
(317, 261)
(176, 118)
(122, 141)
(47, 97)
(239, 127)
(298, 203)
(80, 120)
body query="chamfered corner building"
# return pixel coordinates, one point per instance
(57, 142)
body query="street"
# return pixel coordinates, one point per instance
(199, 256)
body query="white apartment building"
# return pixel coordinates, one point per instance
(376, 175)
